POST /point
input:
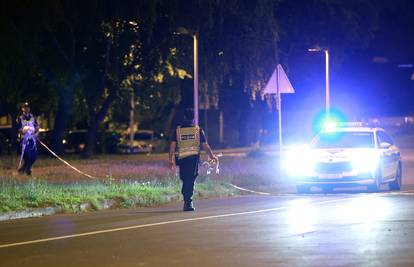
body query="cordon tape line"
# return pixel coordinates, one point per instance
(65, 162)
(248, 190)
(215, 166)
(21, 156)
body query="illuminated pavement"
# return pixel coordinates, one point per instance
(311, 230)
(341, 230)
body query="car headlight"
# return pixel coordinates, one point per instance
(365, 161)
(299, 162)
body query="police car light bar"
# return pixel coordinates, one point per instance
(351, 124)
(337, 124)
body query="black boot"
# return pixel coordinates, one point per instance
(188, 206)
(28, 170)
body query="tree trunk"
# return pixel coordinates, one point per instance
(62, 118)
(91, 136)
(168, 129)
(14, 133)
(95, 119)
(66, 95)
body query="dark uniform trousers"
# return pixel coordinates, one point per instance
(29, 156)
(188, 175)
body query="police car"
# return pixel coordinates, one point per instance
(347, 155)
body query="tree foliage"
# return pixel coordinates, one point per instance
(89, 56)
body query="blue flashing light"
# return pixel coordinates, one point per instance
(330, 124)
(324, 122)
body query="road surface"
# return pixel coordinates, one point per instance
(343, 229)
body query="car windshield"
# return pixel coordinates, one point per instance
(143, 136)
(344, 140)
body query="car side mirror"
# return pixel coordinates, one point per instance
(384, 145)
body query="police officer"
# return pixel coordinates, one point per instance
(186, 142)
(28, 128)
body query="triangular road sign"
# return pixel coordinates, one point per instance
(279, 83)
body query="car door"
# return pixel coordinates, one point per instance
(395, 155)
(389, 154)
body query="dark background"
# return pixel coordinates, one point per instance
(77, 62)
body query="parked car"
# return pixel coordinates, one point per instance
(145, 141)
(106, 142)
(160, 143)
(5, 140)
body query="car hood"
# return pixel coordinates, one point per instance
(340, 154)
(135, 143)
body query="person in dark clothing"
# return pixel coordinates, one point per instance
(186, 143)
(28, 128)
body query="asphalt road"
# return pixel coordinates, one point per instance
(343, 229)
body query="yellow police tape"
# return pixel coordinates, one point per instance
(65, 162)
(210, 165)
(248, 190)
(215, 165)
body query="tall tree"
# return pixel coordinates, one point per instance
(19, 78)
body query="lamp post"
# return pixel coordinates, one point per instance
(194, 34)
(327, 89)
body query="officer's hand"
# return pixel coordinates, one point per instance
(171, 165)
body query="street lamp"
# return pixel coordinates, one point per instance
(194, 34)
(327, 91)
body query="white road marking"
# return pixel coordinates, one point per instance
(161, 223)
(408, 192)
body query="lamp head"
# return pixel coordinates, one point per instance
(184, 31)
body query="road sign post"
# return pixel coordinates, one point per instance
(277, 85)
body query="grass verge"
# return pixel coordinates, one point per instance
(127, 181)
(16, 196)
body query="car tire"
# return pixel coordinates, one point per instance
(375, 187)
(302, 189)
(396, 185)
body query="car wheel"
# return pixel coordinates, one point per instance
(302, 189)
(375, 187)
(396, 185)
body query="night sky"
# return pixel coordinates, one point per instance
(369, 82)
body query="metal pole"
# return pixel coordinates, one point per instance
(221, 128)
(195, 79)
(205, 114)
(280, 130)
(132, 120)
(327, 83)
(279, 105)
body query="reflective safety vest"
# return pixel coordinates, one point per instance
(27, 125)
(29, 122)
(188, 141)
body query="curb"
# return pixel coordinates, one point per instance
(84, 207)
(29, 213)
